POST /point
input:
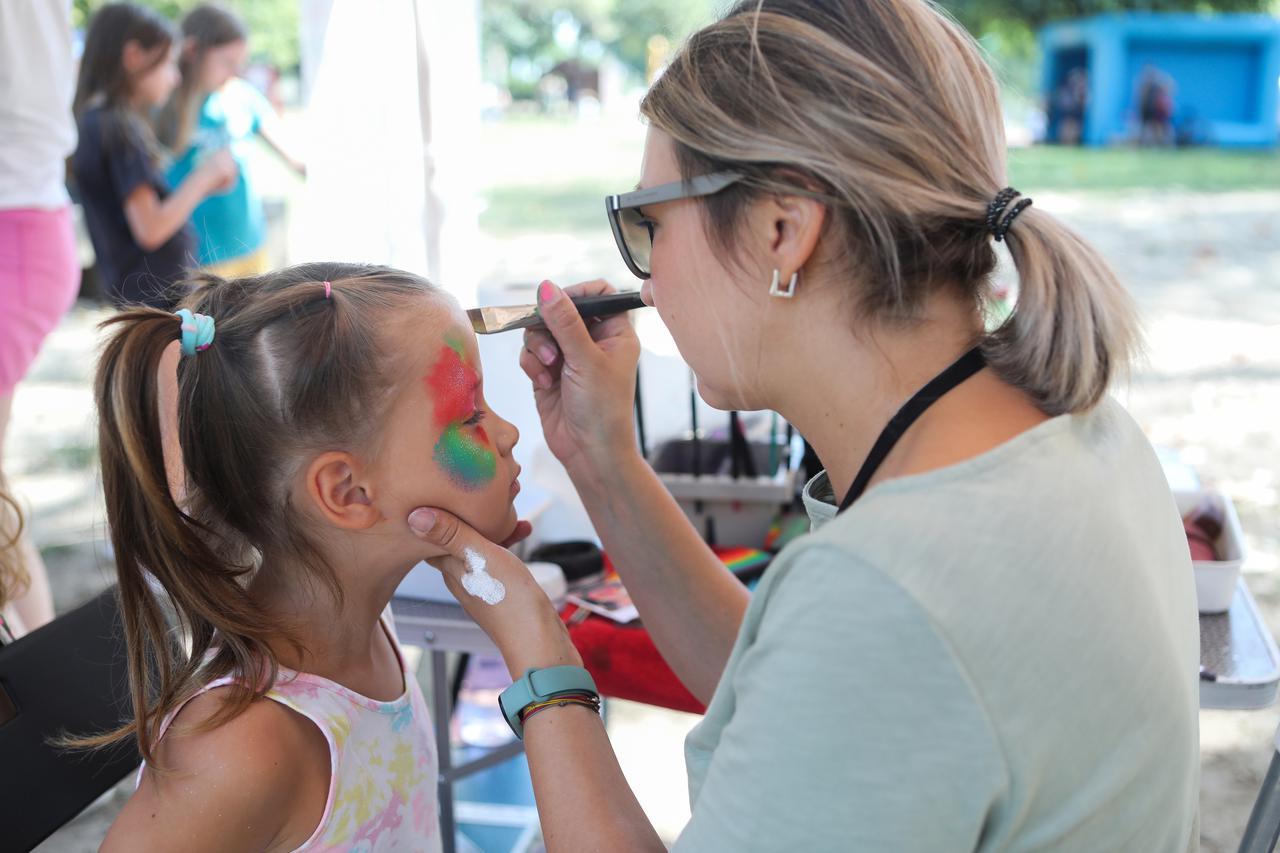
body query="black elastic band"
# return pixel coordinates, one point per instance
(964, 367)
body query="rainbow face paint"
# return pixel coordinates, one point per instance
(463, 451)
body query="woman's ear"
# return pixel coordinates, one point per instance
(335, 488)
(795, 223)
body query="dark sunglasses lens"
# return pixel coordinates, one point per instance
(637, 234)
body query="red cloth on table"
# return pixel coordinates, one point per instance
(626, 665)
(623, 659)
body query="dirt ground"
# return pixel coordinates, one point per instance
(1205, 272)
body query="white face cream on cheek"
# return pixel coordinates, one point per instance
(479, 582)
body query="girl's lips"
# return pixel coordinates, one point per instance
(515, 488)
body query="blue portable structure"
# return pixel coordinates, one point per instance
(1224, 71)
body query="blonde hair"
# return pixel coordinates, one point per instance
(13, 576)
(886, 112)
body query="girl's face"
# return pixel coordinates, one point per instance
(219, 64)
(714, 313)
(443, 446)
(153, 74)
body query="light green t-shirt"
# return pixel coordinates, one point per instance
(998, 655)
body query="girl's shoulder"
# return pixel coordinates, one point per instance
(262, 776)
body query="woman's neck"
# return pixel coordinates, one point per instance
(843, 387)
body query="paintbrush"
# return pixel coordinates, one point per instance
(487, 321)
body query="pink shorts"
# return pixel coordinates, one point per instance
(39, 280)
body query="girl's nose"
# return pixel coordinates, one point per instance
(508, 436)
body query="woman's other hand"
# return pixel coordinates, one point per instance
(522, 621)
(583, 376)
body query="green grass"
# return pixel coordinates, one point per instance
(566, 192)
(574, 206)
(1116, 169)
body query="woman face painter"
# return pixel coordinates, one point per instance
(989, 639)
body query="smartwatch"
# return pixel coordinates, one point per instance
(539, 685)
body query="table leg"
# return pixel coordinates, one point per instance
(441, 713)
(1264, 822)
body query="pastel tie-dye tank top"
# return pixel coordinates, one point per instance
(383, 767)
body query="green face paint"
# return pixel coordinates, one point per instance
(469, 464)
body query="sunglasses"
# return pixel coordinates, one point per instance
(634, 232)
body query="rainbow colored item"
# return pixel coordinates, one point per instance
(742, 560)
(463, 451)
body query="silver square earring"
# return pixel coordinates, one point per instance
(775, 288)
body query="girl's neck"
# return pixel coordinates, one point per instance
(339, 640)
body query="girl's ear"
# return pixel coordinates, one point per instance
(333, 484)
(189, 46)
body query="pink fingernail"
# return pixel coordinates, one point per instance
(547, 354)
(546, 292)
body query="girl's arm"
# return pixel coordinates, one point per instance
(257, 782)
(153, 221)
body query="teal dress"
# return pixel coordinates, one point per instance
(229, 225)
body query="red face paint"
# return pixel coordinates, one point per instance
(452, 384)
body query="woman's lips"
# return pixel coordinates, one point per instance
(515, 483)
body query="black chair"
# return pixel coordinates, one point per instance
(68, 677)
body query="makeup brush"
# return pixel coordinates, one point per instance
(487, 321)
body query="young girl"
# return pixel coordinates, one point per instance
(212, 108)
(138, 226)
(259, 458)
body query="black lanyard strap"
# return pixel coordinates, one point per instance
(964, 367)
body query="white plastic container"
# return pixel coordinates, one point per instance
(740, 510)
(1216, 579)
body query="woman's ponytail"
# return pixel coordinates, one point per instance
(1074, 327)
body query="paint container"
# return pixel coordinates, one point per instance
(1216, 579)
(739, 510)
(551, 578)
(581, 561)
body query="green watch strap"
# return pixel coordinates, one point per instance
(539, 685)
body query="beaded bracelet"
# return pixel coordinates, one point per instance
(586, 699)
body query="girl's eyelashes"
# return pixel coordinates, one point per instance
(475, 418)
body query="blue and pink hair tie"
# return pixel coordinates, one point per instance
(197, 331)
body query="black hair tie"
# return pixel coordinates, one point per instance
(998, 221)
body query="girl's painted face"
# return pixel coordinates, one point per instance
(444, 446)
(219, 64)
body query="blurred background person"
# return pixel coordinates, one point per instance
(39, 273)
(213, 109)
(138, 224)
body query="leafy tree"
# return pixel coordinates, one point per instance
(979, 15)
(272, 24)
